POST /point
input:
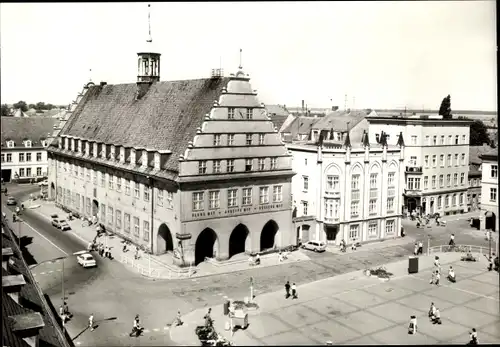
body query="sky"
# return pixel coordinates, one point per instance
(380, 54)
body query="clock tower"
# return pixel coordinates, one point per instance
(148, 60)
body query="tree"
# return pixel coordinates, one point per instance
(22, 105)
(478, 133)
(5, 110)
(40, 106)
(445, 109)
(31, 106)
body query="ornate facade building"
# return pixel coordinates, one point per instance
(489, 190)
(347, 193)
(191, 166)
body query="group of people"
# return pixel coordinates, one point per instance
(436, 273)
(293, 288)
(254, 259)
(419, 248)
(282, 256)
(434, 314)
(64, 313)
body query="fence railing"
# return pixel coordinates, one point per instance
(157, 273)
(460, 249)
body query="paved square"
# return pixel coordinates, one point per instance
(298, 316)
(449, 293)
(284, 339)
(490, 277)
(485, 305)
(389, 291)
(445, 332)
(399, 335)
(476, 287)
(364, 322)
(360, 298)
(392, 311)
(422, 302)
(467, 316)
(331, 308)
(329, 331)
(266, 325)
(411, 283)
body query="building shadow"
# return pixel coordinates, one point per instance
(24, 242)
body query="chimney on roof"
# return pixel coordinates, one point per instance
(102, 84)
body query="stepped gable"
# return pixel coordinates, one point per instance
(165, 118)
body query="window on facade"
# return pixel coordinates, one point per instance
(493, 194)
(413, 139)
(274, 163)
(417, 183)
(426, 161)
(448, 180)
(390, 227)
(372, 229)
(427, 140)
(21, 157)
(354, 208)
(248, 165)
(232, 198)
(456, 159)
(198, 201)
(3, 157)
(461, 199)
(103, 180)
(277, 193)
(247, 196)
(8, 158)
(462, 158)
(249, 113)
(456, 139)
(413, 161)
(103, 214)
(202, 167)
(441, 181)
(455, 179)
(372, 206)
(433, 182)
(390, 204)
(411, 183)
(373, 181)
(464, 139)
(217, 139)
(230, 165)
(118, 184)
(390, 178)
(10, 144)
(440, 202)
(127, 187)
(434, 140)
(137, 192)
(28, 156)
(230, 113)
(159, 197)
(426, 182)
(76, 169)
(82, 169)
(264, 195)
(146, 193)
(450, 139)
(118, 224)
(136, 226)
(248, 140)
(111, 183)
(217, 166)
(145, 230)
(214, 199)
(126, 222)
(305, 183)
(87, 206)
(449, 160)
(39, 171)
(441, 160)
(261, 139)
(261, 164)
(447, 201)
(305, 206)
(28, 172)
(354, 232)
(77, 201)
(494, 171)
(110, 216)
(332, 182)
(230, 140)
(454, 200)
(462, 178)
(442, 140)
(355, 182)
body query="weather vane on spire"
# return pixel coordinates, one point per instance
(241, 51)
(150, 39)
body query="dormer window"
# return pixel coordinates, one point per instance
(44, 143)
(27, 143)
(249, 113)
(10, 144)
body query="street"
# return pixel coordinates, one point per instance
(114, 293)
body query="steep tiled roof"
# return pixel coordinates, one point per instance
(32, 128)
(492, 153)
(301, 125)
(277, 110)
(165, 118)
(278, 121)
(338, 120)
(476, 151)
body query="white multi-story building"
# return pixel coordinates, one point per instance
(489, 190)
(436, 160)
(24, 147)
(344, 192)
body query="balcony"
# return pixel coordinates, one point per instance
(413, 192)
(332, 194)
(414, 169)
(332, 220)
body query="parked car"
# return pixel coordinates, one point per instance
(11, 201)
(86, 260)
(61, 224)
(316, 246)
(4, 188)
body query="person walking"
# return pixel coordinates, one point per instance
(437, 278)
(437, 265)
(294, 291)
(208, 318)
(436, 318)
(490, 263)
(287, 289)
(473, 337)
(420, 247)
(412, 327)
(452, 240)
(91, 322)
(136, 328)
(415, 249)
(178, 320)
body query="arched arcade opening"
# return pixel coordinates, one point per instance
(238, 240)
(489, 222)
(205, 245)
(268, 235)
(164, 239)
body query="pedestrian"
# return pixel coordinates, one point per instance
(178, 320)
(490, 263)
(91, 322)
(106, 252)
(437, 265)
(451, 275)
(136, 328)
(294, 291)
(412, 327)
(61, 314)
(287, 289)
(473, 337)
(101, 249)
(94, 219)
(415, 249)
(437, 278)
(432, 310)
(436, 317)
(420, 247)
(90, 246)
(208, 319)
(136, 256)
(452, 240)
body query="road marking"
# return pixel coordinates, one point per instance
(52, 243)
(463, 290)
(70, 231)
(42, 273)
(146, 331)
(78, 343)
(59, 270)
(166, 328)
(156, 329)
(51, 272)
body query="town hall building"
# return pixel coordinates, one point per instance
(195, 167)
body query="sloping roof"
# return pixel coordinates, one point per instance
(32, 128)
(492, 153)
(19, 113)
(165, 118)
(277, 110)
(476, 151)
(338, 120)
(278, 121)
(301, 125)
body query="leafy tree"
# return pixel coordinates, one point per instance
(40, 106)
(22, 105)
(31, 106)
(478, 133)
(445, 109)
(50, 106)
(5, 110)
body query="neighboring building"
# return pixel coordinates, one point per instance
(475, 173)
(299, 129)
(19, 113)
(436, 160)
(489, 190)
(24, 147)
(28, 319)
(347, 193)
(194, 166)
(279, 116)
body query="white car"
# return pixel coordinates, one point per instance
(86, 260)
(316, 246)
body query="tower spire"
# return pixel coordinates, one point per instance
(150, 38)
(241, 52)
